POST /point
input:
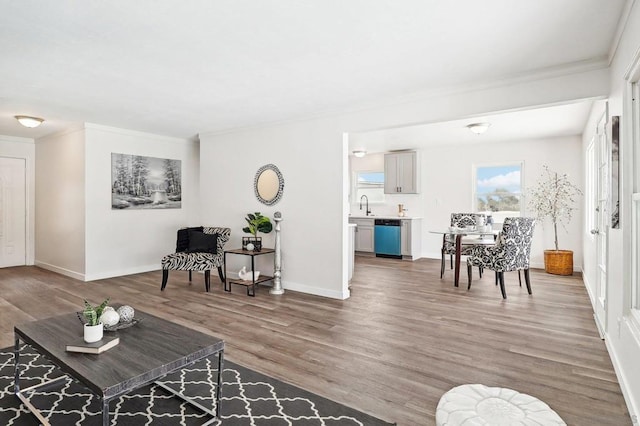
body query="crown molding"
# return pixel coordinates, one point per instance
(139, 134)
(17, 139)
(577, 67)
(622, 25)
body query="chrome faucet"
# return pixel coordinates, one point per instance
(368, 212)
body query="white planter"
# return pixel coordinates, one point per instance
(93, 333)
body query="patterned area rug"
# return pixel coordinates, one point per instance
(248, 398)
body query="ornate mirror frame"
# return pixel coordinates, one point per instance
(263, 196)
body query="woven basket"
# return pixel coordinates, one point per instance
(558, 262)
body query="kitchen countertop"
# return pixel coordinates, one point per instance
(383, 217)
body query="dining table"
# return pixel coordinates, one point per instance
(458, 233)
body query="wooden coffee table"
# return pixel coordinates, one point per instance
(147, 352)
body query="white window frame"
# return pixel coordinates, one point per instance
(630, 162)
(356, 186)
(474, 177)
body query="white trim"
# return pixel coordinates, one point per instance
(354, 187)
(622, 25)
(619, 370)
(635, 251)
(302, 288)
(474, 189)
(127, 132)
(122, 272)
(62, 271)
(6, 138)
(566, 70)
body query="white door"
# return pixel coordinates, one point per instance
(12, 212)
(602, 220)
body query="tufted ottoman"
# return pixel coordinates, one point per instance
(481, 405)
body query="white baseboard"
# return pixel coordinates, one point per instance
(122, 272)
(289, 285)
(622, 381)
(59, 270)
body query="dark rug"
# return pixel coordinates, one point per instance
(248, 398)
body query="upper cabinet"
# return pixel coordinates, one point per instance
(400, 173)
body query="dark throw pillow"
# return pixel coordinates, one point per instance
(182, 244)
(201, 242)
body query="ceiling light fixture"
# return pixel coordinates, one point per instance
(30, 122)
(478, 128)
(360, 153)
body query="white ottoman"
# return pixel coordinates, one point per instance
(473, 405)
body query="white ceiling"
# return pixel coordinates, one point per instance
(182, 67)
(555, 121)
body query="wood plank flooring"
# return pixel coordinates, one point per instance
(403, 339)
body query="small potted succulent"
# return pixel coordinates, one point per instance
(93, 328)
(257, 223)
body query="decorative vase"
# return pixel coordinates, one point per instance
(558, 262)
(93, 333)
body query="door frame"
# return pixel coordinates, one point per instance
(24, 149)
(601, 172)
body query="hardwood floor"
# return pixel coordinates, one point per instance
(403, 339)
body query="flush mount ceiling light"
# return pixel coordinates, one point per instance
(27, 121)
(360, 153)
(478, 128)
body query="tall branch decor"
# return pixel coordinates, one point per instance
(554, 197)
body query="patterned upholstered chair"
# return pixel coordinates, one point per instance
(510, 253)
(460, 220)
(197, 249)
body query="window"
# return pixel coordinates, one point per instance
(370, 184)
(498, 190)
(635, 198)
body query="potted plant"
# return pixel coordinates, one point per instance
(93, 328)
(257, 223)
(554, 197)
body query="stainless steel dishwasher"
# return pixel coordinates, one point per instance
(387, 238)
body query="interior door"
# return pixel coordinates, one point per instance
(12, 212)
(602, 220)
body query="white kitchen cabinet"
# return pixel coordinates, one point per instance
(364, 240)
(405, 237)
(411, 246)
(400, 173)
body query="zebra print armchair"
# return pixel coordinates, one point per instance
(511, 252)
(197, 249)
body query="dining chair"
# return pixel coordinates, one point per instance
(459, 220)
(510, 253)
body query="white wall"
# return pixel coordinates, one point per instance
(24, 148)
(621, 335)
(447, 186)
(313, 158)
(312, 204)
(77, 232)
(121, 242)
(60, 208)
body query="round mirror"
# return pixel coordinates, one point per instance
(268, 184)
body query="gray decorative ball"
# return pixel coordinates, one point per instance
(126, 313)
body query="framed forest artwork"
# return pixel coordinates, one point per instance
(139, 182)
